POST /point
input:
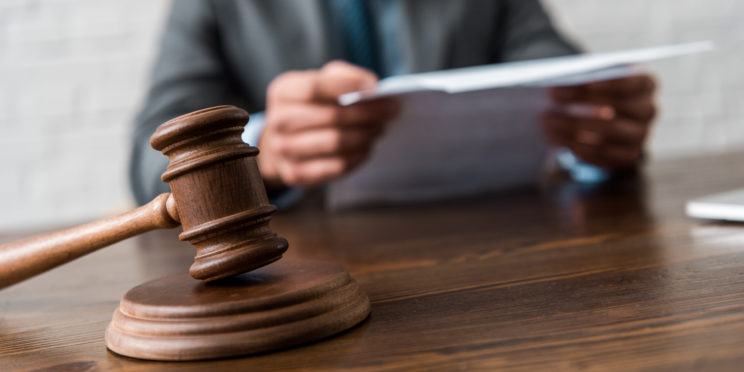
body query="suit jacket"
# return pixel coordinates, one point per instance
(227, 51)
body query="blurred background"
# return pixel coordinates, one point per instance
(73, 73)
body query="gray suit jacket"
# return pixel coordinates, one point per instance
(227, 51)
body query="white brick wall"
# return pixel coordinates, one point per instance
(72, 74)
(702, 97)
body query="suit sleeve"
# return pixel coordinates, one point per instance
(526, 32)
(189, 74)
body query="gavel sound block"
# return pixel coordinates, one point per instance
(218, 197)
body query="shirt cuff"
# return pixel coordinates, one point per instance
(251, 135)
(253, 129)
(579, 170)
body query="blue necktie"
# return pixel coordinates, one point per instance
(358, 34)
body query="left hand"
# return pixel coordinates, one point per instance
(611, 124)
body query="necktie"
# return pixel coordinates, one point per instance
(358, 34)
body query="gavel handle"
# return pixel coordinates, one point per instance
(26, 258)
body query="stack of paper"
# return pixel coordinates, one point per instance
(472, 130)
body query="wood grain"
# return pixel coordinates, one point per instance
(288, 303)
(221, 199)
(23, 259)
(563, 278)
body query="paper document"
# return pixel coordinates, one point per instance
(472, 130)
(727, 206)
(532, 72)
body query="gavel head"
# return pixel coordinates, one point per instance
(218, 192)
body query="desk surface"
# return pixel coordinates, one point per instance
(565, 278)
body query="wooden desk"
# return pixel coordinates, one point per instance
(567, 278)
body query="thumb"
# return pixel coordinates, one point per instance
(339, 77)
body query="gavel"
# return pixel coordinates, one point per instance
(217, 196)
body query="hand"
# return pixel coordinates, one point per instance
(604, 123)
(308, 138)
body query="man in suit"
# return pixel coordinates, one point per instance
(289, 60)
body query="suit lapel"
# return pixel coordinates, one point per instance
(424, 27)
(313, 25)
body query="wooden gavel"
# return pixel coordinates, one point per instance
(217, 196)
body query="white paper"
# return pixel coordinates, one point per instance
(474, 130)
(727, 206)
(445, 146)
(533, 72)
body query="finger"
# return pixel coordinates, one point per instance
(640, 107)
(328, 142)
(566, 93)
(608, 156)
(622, 156)
(372, 112)
(318, 171)
(557, 130)
(338, 77)
(334, 79)
(292, 86)
(625, 86)
(296, 117)
(292, 118)
(629, 132)
(616, 131)
(589, 154)
(562, 129)
(565, 130)
(585, 110)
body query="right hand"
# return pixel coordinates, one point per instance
(308, 138)
(613, 130)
